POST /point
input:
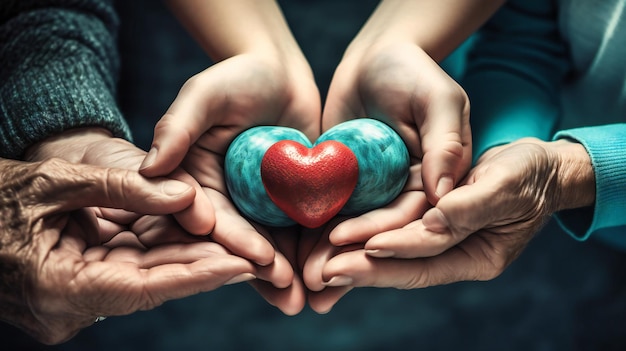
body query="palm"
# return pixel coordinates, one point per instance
(211, 109)
(86, 278)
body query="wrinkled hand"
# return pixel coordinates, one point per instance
(96, 147)
(211, 109)
(476, 230)
(59, 273)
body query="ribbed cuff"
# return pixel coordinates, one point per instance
(606, 146)
(59, 72)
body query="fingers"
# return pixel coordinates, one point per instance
(412, 241)
(468, 209)
(175, 280)
(121, 281)
(289, 300)
(199, 217)
(317, 259)
(323, 301)
(178, 129)
(407, 207)
(237, 234)
(281, 272)
(460, 213)
(73, 186)
(446, 141)
(322, 297)
(278, 283)
(357, 269)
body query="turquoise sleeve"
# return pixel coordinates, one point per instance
(513, 73)
(606, 146)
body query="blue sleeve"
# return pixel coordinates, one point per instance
(513, 75)
(606, 146)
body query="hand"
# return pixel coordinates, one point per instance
(59, 274)
(478, 229)
(211, 109)
(400, 85)
(95, 146)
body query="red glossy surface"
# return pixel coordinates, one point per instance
(310, 185)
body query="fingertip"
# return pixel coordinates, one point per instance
(148, 161)
(380, 253)
(264, 256)
(175, 188)
(444, 186)
(443, 168)
(324, 301)
(199, 217)
(170, 144)
(435, 221)
(295, 303)
(344, 231)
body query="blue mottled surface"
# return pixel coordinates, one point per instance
(381, 153)
(243, 172)
(383, 162)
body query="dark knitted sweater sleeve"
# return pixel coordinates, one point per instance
(58, 70)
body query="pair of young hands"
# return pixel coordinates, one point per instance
(103, 244)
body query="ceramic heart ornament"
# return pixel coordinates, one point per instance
(311, 185)
(276, 177)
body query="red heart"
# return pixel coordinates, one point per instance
(310, 185)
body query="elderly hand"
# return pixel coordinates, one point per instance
(96, 147)
(62, 269)
(476, 230)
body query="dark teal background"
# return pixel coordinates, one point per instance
(559, 295)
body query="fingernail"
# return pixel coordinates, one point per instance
(435, 221)
(149, 160)
(444, 186)
(380, 253)
(243, 277)
(339, 280)
(175, 188)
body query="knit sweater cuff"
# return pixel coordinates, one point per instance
(59, 74)
(605, 145)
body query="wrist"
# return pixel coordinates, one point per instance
(69, 145)
(437, 27)
(575, 178)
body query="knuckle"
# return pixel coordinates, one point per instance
(118, 184)
(46, 179)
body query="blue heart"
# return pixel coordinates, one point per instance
(382, 156)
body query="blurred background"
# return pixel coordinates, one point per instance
(559, 295)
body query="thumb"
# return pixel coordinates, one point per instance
(464, 210)
(176, 131)
(73, 186)
(447, 145)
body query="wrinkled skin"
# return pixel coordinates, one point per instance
(66, 262)
(473, 233)
(123, 244)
